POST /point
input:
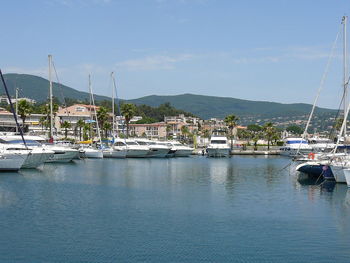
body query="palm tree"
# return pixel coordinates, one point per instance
(269, 132)
(231, 122)
(102, 116)
(184, 131)
(107, 126)
(66, 125)
(24, 110)
(80, 125)
(128, 110)
(43, 122)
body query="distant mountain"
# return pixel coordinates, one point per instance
(209, 106)
(37, 88)
(203, 106)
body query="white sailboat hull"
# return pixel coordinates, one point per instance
(12, 161)
(35, 159)
(93, 153)
(347, 176)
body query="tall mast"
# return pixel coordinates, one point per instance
(16, 107)
(113, 127)
(344, 22)
(50, 97)
(95, 113)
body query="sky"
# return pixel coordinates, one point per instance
(271, 50)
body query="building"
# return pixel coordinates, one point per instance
(150, 130)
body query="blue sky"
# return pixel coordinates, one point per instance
(272, 50)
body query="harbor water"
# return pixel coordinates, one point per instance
(196, 209)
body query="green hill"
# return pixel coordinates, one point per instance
(209, 106)
(203, 106)
(37, 88)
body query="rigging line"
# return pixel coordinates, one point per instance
(13, 110)
(117, 100)
(339, 109)
(321, 87)
(61, 90)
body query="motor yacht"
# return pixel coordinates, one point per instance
(180, 150)
(134, 150)
(155, 150)
(294, 146)
(218, 146)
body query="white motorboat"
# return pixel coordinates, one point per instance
(134, 150)
(294, 146)
(155, 150)
(218, 146)
(62, 154)
(180, 150)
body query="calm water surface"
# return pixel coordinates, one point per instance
(240, 209)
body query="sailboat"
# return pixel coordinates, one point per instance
(90, 151)
(332, 166)
(118, 149)
(61, 153)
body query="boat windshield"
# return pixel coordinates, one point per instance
(141, 143)
(131, 143)
(218, 141)
(178, 144)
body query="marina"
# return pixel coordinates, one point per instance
(175, 131)
(234, 209)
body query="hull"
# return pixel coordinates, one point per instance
(158, 153)
(171, 153)
(347, 176)
(136, 153)
(316, 170)
(109, 153)
(12, 161)
(183, 153)
(218, 152)
(35, 159)
(63, 156)
(338, 173)
(93, 153)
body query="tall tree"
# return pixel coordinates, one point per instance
(231, 122)
(24, 110)
(107, 126)
(102, 116)
(66, 125)
(80, 124)
(128, 110)
(270, 133)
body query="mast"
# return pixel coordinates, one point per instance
(50, 98)
(113, 123)
(95, 113)
(345, 77)
(16, 107)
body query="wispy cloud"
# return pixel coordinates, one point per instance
(70, 3)
(158, 62)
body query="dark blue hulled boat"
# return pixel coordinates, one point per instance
(316, 169)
